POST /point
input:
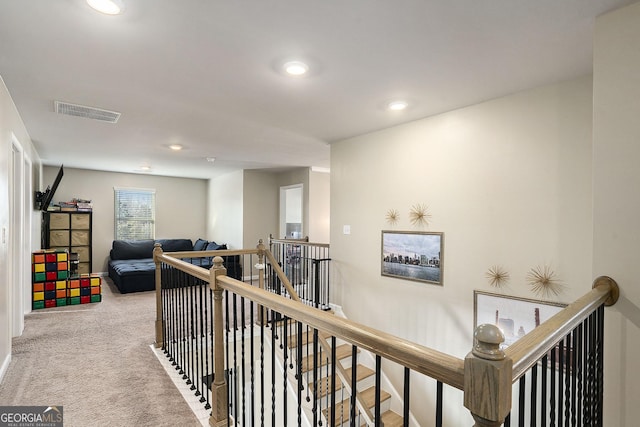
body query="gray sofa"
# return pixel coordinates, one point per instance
(132, 269)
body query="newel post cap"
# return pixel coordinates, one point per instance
(487, 339)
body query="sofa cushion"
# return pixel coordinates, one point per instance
(131, 249)
(213, 246)
(175, 245)
(200, 245)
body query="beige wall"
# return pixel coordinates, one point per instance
(319, 206)
(12, 130)
(260, 207)
(507, 181)
(226, 210)
(181, 204)
(616, 180)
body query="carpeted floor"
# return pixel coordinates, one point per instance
(95, 361)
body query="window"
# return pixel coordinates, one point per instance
(135, 213)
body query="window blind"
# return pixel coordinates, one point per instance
(135, 213)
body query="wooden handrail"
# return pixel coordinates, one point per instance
(440, 366)
(530, 348)
(301, 242)
(516, 359)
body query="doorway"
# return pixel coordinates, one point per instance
(291, 209)
(15, 259)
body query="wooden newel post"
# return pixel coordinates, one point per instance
(157, 252)
(487, 378)
(219, 408)
(261, 266)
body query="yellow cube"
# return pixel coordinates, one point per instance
(38, 268)
(95, 281)
(74, 293)
(61, 284)
(38, 296)
(62, 256)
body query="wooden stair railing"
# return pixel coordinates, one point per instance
(486, 375)
(341, 372)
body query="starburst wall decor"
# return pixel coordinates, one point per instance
(498, 276)
(419, 215)
(543, 281)
(392, 216)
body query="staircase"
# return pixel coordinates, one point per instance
(319, 392)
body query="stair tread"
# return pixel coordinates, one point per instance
(391, 419)
(324, 385)
(307, 338)
(368, 399)
(362, 372)
(342, 351)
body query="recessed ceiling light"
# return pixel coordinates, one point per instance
(295, 68)
(211, 159)
(176, 147)
(397, 105)
(109, 7)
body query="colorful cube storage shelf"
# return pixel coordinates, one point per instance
(54, 286)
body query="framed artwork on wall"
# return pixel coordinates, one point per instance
(413, 255)
(515, 316)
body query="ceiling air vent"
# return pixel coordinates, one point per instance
(86, 112)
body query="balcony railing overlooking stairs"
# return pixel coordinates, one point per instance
(306, 266)
(280, 362)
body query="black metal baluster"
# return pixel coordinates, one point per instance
(521, 400)
(333, 381)
(439, 402)
(234, 309)
(191, 336)
(543, 391)
(208, 339)
(183, 327)
(315, 379)
(273, 368)
(406, 397)
(354, 385)
(228, 371)
(567, 379)
(242, 369)
(552, 389)
(573, 370)
(283, 339)
(202, 342)
(299, 372)
(377, 418)
(600, 365)
(560, 383)
(579, 373)
(534, 394)
(252, 357)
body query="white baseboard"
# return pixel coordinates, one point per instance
(5, 366)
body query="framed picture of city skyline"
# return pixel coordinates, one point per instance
(413, 255)
(515, 316)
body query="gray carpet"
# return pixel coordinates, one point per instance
(95, 361)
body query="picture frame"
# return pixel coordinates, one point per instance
(413, 255)
(515, 316)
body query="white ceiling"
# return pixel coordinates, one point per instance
(204, 73)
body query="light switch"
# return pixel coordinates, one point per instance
(346, 229)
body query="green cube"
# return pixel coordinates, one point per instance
(62, 274)
(61, 301)
(74, 300)
(96, 298)
(37, 305)
(39, 277)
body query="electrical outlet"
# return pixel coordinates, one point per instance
(346, 229)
